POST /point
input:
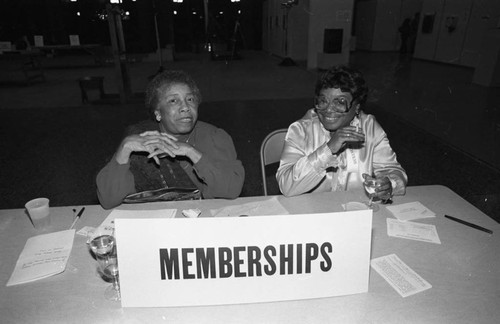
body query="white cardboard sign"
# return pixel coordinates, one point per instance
(5, 47)
(218, 261)
(74, 40)
(38, 40)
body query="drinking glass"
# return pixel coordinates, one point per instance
(370, 185)
(104, 248)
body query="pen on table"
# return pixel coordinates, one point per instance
(469, 224)
(77, 217)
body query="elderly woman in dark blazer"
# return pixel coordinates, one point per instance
(174, 150)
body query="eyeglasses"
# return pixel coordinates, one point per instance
(340, 104)
(177, 102)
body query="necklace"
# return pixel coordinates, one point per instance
(162, 129)
(189, 137)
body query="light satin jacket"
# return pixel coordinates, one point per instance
(308, 165)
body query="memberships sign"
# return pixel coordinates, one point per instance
(218, 261)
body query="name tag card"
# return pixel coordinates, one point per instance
(218, 261)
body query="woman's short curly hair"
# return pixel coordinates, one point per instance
(346, 79)
(165, 80)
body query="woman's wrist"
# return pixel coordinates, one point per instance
(194, 155)
(122, 156)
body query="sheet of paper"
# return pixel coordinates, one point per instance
(412, 231)
(84, 231)
(43, 256)
(401, 277)
(108, 225)
(409, 211)
(270, 206)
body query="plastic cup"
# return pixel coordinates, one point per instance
(39, 212)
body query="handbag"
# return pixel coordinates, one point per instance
(163, 194)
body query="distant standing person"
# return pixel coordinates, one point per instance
(413, 32)
(404, 30)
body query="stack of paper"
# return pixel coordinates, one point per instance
(109, 222)
(412, 231)
(43, 256)
(270, 206)
(402, 228)
(410, 211)
(107, 227)
(399, 275)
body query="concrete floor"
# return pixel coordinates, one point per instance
(446, 129)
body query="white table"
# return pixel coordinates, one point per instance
(464, 271)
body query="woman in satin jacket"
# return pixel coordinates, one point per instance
(336, 146)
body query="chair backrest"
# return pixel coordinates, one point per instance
(270, 152)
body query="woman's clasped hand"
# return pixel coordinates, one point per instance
(157, 144)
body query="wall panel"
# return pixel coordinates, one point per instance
(451, 37)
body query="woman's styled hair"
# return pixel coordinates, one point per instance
(346, 79)
(165, 80)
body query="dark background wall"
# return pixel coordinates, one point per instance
(56, 19)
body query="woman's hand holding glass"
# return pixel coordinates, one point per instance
(381, 187)
(345, 135)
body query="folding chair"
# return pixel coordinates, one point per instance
(270, 152)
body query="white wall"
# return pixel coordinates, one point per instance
(297, 35)
(450, 43)
(307, 22)
(385, 32)
(266, 28)
(463, 45)
(484, 18)
(484, 21)
(409, 8)
(277, 46)
(274, 16)
(273, 32)
(425, 47)
(337, 14)
(365, 23)
(377, 22)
